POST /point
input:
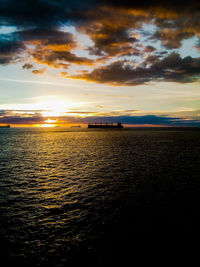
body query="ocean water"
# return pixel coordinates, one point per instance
(72, 197)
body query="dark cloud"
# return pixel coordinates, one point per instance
(48, 46)
(27, 66)
(117, 73)
(3, 112)
(144, 120)
(51, 12)
(112, 26)
(54, 58)
(52, 47)
(172, 38)
(149, 49)
(21, 120)
(109, 28)
(111, 37)
(20, 117)
(41, 71)
(46, 36)
(10, 51)
(163, 9)
(38, 12)
(172, 68)
(151, 59)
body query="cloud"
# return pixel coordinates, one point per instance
(52, 47)
(54, 58)
(51, 12)
(115, 29)
(10, 51)
(27, 66)
(109, 28)
(3, 113)
(172, 37)
(47, 36)
(48, 46)
(145, 120)
(20, 117)
(172, 68)
(41, 71)
(149, 49)
(110, 37)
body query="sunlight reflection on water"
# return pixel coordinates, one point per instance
(63, 192)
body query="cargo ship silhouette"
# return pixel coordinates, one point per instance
(106, 125)
(4, 126)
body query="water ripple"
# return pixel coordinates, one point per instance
(67, 195)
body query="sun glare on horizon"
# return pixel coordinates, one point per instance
(48, 125)
(56, 107)
(50, 121)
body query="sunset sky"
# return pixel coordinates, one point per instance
(65, 62)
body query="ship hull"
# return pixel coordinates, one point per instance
(105, 126)
(4, 126)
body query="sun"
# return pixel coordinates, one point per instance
(50, 121)
(48, 125)
(52, 109)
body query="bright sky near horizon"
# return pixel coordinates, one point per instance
(65, 64)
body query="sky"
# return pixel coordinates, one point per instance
(65, 63)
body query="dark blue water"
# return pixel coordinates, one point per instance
(70, 197)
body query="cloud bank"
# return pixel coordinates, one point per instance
(121, 51)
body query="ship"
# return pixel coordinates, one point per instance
(4, 126)
(106, 125)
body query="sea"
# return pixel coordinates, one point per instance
(95, 197)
